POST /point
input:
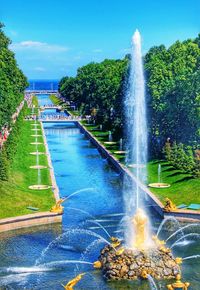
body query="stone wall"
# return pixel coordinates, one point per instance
(29, 220)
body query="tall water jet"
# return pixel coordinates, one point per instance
(136, 128)
(136, 117)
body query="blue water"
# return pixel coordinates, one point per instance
(78, 166)
(43, 85)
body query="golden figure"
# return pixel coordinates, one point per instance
(179, 260)
(70, 285)
(97, 265)
(164, 249)
(58, 208)
(115, 242)
(144, 274)
(169, 205)
(140, 221)
(157, 241)
(178, 284)
(120, 251)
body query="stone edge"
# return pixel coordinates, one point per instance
(51, 169)
(29, 220)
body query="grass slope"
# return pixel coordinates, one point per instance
(184, 188)
(15, 195)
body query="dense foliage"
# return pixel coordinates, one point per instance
(97, 91)
(183, 158)
(12, 81)
(172, 87)
(173, 84)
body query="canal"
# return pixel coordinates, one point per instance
(39, 258)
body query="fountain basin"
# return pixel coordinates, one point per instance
(110, 143)
(134, 264)
(120, 152)
(136, 166)
(37, 153)
(38, 167)
(39, 187)
(159, 185)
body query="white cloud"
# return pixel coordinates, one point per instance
(39, 68)
(97, 50)
(37, 46)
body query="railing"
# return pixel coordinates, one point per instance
(42, 91)
(58, 118)
(50, 106)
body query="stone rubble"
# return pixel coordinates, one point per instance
(131, 264)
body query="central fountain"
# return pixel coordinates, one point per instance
(142, 255)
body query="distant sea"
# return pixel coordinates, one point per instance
(43, 84)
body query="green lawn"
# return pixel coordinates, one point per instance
(184, 188)
(15, 194)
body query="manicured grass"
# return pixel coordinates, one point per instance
(15, 194)
(184, 188)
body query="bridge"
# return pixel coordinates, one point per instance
(49, 107)
(60, 119)
(42, 92)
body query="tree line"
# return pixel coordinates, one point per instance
(12, 85)
(12, 81)
(172, 89)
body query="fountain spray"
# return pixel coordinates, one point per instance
(135, 107)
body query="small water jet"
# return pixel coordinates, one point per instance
(93, 219)
(38, 153)
(38, 166)
(39, 187)
(191, 257)
(36, 143)
(121, 144)
(159, 184)
(110, 138)
(192, 235)
(181, 230)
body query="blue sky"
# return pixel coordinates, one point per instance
(52, 38)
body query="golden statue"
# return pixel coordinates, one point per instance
(120, 251)
(97, 265)
(144, 274)
(179, 260)
(115, 242)
(164, 249)
(73, 282)
(169, 205)
(58, 208)
(157, 241)
(140, 221)
(178, 284)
